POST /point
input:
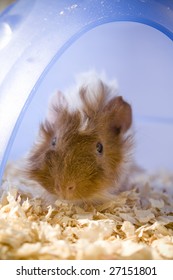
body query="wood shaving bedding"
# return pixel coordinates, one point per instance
(135, 224)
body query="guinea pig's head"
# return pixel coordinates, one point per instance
(81, 152)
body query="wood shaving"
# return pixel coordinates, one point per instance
(136, 224)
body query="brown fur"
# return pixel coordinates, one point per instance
(73, 169)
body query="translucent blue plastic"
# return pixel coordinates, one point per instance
(35, 34)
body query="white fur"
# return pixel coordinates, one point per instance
(84, 123)
(57, 100)
(70, 100)
(92, 82)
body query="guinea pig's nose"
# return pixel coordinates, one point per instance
(58, 188)
(65, 191)
(69, 191)
(70, 188)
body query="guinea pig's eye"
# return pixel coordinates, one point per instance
(54, 142)
(99, 148)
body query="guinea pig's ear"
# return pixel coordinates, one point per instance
(56, 105)
(120, 113)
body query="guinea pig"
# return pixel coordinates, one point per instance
(83, 145)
